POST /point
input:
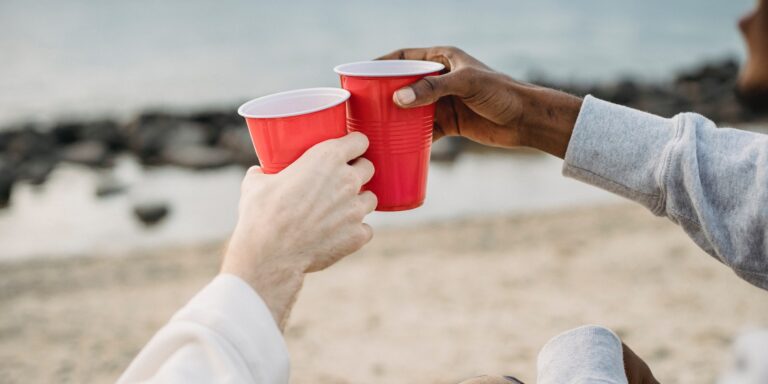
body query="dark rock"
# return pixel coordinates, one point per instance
(215, 122)
(196, 156)
(109, 186)
(7, 179)
(623, 92)
(28, 143)
(150, 134)
(107, 132)
(92, 153)
(104, 131)
(36, 171)
(67, 132)
(722, 71)
(237, 140)
(151, 213)
(5, 138)
(447, 148)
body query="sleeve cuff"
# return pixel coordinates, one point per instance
(621, 150)
(589, 354)
(233, 309)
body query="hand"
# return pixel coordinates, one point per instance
(489, 107)
(303, 219)
(636, 369)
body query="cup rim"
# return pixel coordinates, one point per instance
(343, 96)
(388, 68)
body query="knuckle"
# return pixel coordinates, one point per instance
(431, 83)
(349, 188)
(353, 214)
(449, 50)
(349, 177)
(465, 72)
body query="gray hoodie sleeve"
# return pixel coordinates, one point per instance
(585, 355)
(712, 182)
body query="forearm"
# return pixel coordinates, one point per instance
(548, 117)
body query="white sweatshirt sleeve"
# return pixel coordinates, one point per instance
(225, 334)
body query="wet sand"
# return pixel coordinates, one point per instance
(432, 304)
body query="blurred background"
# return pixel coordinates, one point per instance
(122, 157)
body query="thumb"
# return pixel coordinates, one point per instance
(425, 91)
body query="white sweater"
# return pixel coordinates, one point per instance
(225, 334)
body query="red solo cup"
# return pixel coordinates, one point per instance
(284, 125)
(400, 139)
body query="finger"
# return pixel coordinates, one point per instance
(445, 118)
(637, 371)
(251, 176)
(448, 56)
(351, 146)
(368, 233)
(364, 169)
(368, 200)
(406, 54)
(255, 170)
(429, 89)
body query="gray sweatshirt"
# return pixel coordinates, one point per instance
(712, 182)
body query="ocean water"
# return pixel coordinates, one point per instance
(63, 59)
(63, 217)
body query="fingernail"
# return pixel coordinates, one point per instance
(513, 379)
(405, 96)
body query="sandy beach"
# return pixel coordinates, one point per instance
(433, 304)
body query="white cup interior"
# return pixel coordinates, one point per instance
(293, 103)
(388, 68)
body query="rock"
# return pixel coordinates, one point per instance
(109, 186)
(5, 138)
(36, 171)
(92, 153)
(28, 143)
(215, 122)
(447, 148)
(67, 132)
(151, 213)
(196, 156)
(217, 118)
(722, 71)
(107, 132)
(7, 179)
(150, 134)
(237, 141)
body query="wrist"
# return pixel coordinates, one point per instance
(277, 284)
(548, 118)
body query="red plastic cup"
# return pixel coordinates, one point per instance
(400, 139)
(284, 125)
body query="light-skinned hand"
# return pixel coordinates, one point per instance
(301, 220)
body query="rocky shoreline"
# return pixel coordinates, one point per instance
(217, 138)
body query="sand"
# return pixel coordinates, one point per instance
(432, 304)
